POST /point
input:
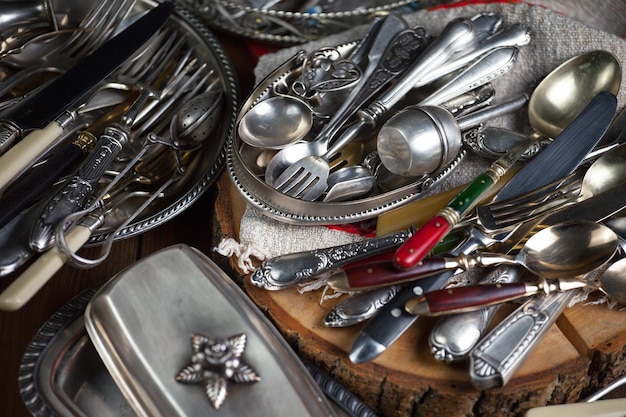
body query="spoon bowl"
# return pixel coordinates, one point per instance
(349, 182)
(562, 253)
(613, 281)
(276, 122)
(568, 249)
(565, 91)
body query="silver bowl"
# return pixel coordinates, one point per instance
(248, 180)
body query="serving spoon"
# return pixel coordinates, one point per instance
(563, 250)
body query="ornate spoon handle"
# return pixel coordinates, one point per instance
(287, 270)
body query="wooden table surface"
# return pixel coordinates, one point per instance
(192, 227)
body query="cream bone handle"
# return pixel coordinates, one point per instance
(24, 153)
(16, 295)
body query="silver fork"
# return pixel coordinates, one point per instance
(97, 26)
(538, 203)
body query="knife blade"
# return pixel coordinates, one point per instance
(566, 151)
(34, 183)
(557, 160)
(392, 320)
(47, 112)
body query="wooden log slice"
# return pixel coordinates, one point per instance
(581, 352)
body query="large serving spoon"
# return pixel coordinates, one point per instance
(559, 251)
(585, 78)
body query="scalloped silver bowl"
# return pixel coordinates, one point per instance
(248, 180)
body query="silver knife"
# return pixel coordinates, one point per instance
(566, 151)
(392, 320)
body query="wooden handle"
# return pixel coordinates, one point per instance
(16, 295)
(411, 252)
(379, 274)
(466, 298)
(24, 153)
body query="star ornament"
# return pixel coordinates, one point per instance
(215, 362)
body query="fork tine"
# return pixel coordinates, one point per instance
(539, 194)
(492, 220)
(100, 22)
(564, 194)
(568, 189)
(292, 177)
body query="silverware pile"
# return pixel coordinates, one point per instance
(340, 105)
(99, 121)
(543, 234)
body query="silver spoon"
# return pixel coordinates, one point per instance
(276, 122)
(348, 183)
(563, 250)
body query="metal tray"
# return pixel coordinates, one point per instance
(63, 374)
(274, 204)
(283, 23)
(209, 159)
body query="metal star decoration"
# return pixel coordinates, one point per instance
(214, 362)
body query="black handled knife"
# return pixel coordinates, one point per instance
(46, 113)
(587, 129)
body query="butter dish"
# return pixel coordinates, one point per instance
(162, 328)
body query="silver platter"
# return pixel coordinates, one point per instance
(62, 372)
(210, 158)
(250, 184)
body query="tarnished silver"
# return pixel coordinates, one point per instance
(496, 358)
(493, 142)
(215, 362)
(482, 71)
(288, 270)
(392, 52)
(359, 307)
(290, 26)
(79, 189)
(455, 37)
(454, 336)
